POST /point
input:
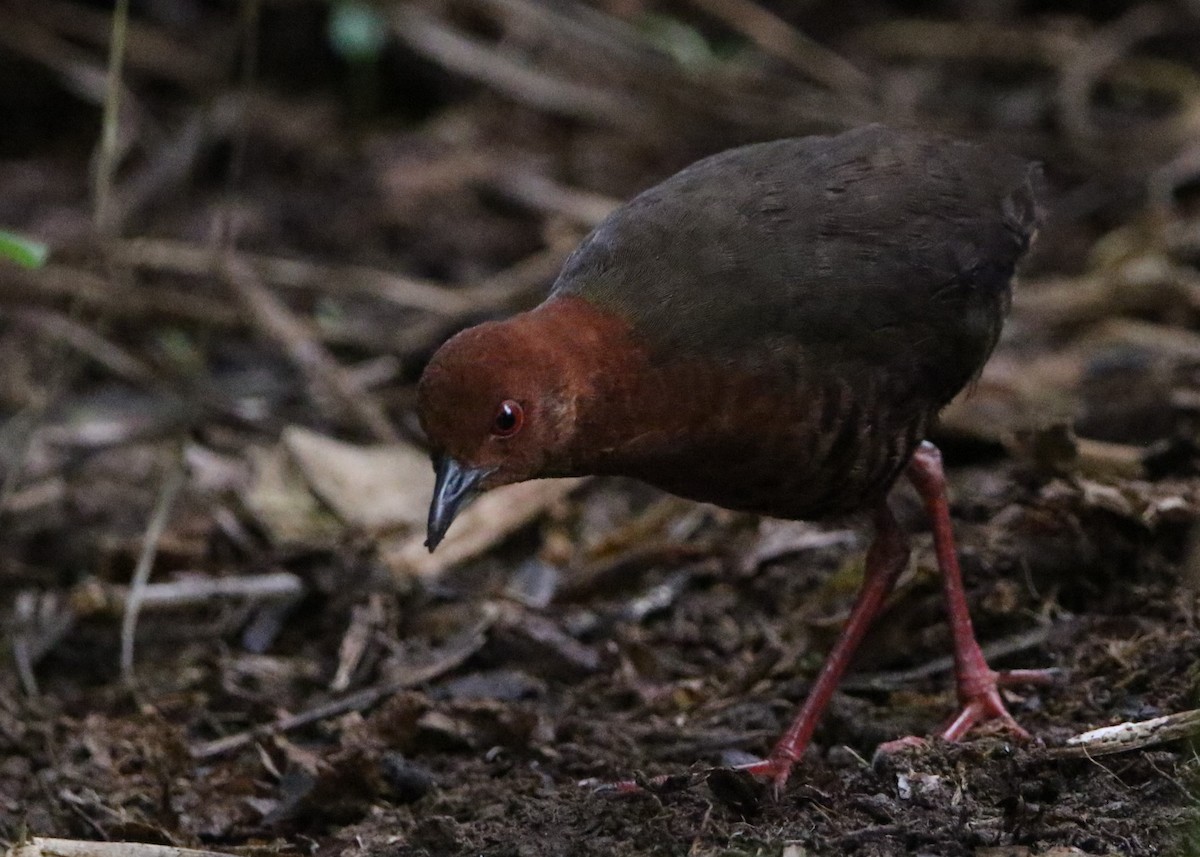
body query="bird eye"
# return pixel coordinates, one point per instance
(508, 419)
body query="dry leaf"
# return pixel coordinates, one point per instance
(278, 496)
(373, 488)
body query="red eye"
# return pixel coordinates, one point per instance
(508, 419)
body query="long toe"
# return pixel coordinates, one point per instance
(1029, 678)
(777, 768)
(981, 701)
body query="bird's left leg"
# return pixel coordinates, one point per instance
(886, 558)
(978, 684)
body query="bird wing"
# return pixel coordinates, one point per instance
(867, 250)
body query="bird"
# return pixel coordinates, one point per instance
(774, 330)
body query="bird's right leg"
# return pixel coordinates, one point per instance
(978, 684)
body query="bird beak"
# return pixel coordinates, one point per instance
(455, 486)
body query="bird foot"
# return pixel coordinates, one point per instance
(981, 704)
(776, 768)
(979, 695)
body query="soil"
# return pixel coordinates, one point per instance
(621, 634)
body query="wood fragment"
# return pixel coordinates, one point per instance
(1131, 735)
(43, 847)
(365, 621)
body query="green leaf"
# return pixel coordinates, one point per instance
(685, 44)
(356, 31)
(24, 251)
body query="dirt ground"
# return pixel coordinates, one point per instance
(210, 383)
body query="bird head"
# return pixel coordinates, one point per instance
(497, 409)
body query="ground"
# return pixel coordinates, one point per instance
(304, 678)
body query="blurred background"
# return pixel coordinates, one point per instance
(231, 235)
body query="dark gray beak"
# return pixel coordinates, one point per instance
(456, 485)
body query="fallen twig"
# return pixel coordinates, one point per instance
(87, 341)
(996, 649)
(543, 194)
(1130, 736)
(108, 154)
(455, 652)
(182, 257)
(43, 619)
(172, 485)
(777, 37)
(39, 847)
(56, 283)
(324, 373)
(93, 597)
(472, 58)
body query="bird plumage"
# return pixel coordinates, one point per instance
(772, 329)
(887, 249)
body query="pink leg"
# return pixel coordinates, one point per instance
(885, 560)
(978, 684)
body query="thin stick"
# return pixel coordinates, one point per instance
(77, 287)
(518, 281)
(93, 598)
(106, 162)
(777, 37)
(323, 371)
(63, 367)
(435, 40)
(1021, 642)
(82, 339)
(183, 257)
(454, 653)
(544, 194)
(174, 482)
